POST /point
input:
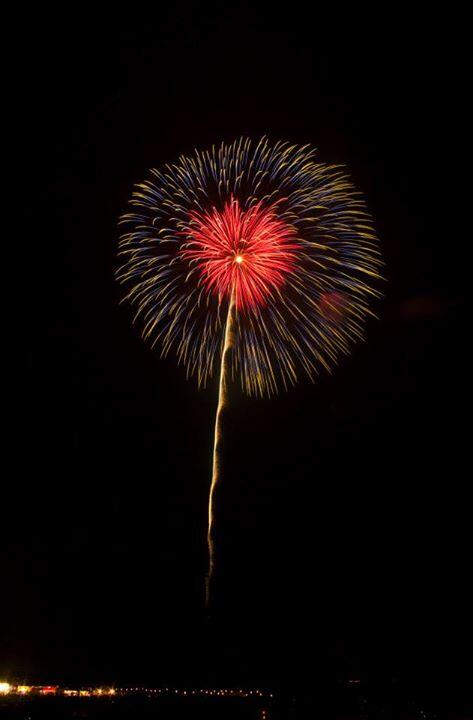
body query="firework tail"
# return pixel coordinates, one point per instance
(222, 398)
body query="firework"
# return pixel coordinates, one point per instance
(254, 261)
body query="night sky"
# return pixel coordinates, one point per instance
(343, 532)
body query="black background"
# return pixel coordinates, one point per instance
(343, 518)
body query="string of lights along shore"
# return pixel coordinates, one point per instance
(7, 688)
(254, 262)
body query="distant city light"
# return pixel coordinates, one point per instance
(5, 688)
(24, 689)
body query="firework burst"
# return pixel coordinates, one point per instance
(248, 253)
(257, 248)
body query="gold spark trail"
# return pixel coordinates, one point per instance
(222, 397)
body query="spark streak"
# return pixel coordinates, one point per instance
(222, 397)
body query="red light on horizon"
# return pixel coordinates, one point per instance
(48, 690)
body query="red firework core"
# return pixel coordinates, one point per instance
(248, 253)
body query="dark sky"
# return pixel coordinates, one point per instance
(343, 517)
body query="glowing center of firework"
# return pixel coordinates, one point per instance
(246, 252)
